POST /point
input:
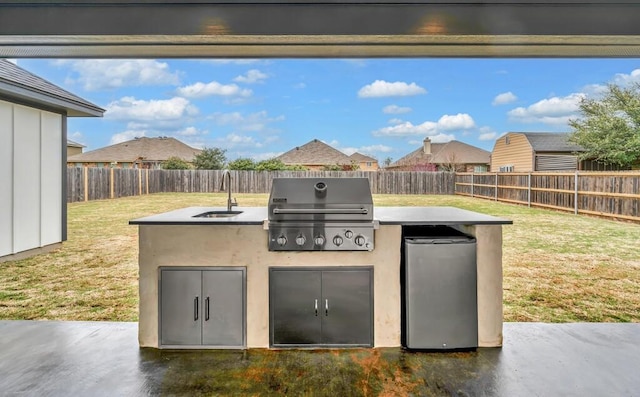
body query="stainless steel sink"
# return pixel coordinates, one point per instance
(218, 214)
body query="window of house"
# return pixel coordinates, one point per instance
(480, 168)
(368, 163)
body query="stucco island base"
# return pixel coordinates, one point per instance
(246, 246)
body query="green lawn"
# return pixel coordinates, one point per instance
(558, 267)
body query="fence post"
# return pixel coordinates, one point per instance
(472, 174)
(111, 184)
(139, 182)
(529, 191)
(147, 180)
(575, 196)
(86, 183)
(496, 189)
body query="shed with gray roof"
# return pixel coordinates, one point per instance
(33, 154)
(539, 151)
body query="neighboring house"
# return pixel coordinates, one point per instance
(364, 162)
(33, 153)
(137, 153)
(74, 148)
(315, 155)
(448, 156)
(539, 151)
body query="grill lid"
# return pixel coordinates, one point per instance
(321, 199)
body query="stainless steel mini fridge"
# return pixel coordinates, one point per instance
(441, 292)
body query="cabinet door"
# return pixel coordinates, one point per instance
(346, 307)
(295, 295)
(180, 307)
(223, 308)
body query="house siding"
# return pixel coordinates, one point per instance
(518, 153)
(6, 176)
(30, 166)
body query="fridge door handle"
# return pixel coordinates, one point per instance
(326, 307)
(206, 309)
(195, 309)
(316, 307)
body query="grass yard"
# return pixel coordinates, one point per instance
(558, 267)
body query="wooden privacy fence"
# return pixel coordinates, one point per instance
(608, 194)
(84, 184)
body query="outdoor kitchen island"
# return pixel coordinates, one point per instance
(180, 240)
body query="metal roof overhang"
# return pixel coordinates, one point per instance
(46, 101)
(331, 28)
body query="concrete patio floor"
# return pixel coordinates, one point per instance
(52, 358)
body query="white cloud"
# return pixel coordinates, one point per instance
(253, 76)
(375, 149)
(77, 137)
(446, 123)
(627, 79)
(100, 74)
(460, 121)
(191, 131)
(395, 109)
(251, 122)
(126, 136)
(137, 110)
(555, 110)
(300, 86)
(234, 140)
(381, 88)
(395, 121)
(488, 136)
(368, 150)
(200, 90)
(12, 60)
(263, 156)
(504, 98)
(442, 138)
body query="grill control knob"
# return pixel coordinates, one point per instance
(360, 240)
(300, 240)
(337, 240)
(348, 234)
(319, 240)
(282, 241)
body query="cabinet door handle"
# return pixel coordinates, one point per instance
(316, 307)
(206, 309)
(195, 309)
(326, 307)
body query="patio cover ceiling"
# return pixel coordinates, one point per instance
(330, 28)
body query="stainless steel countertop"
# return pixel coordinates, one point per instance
(384, 215)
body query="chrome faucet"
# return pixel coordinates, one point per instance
(230, 202)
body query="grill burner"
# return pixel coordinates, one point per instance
(321, 214)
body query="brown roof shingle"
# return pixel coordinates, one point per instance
(444, 153)
(314, 152)
(148, 149)
(359, 158)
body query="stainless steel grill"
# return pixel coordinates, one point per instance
(321, 214)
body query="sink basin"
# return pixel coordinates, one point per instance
(218, 214)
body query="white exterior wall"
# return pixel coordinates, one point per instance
(31, 174)
(6, 178)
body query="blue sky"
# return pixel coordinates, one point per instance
(380, 107)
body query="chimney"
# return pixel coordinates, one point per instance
(426, 145)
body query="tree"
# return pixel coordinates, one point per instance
(210, 159)
(175, 163)
(242, 164)
(387, 161)
(609, 129)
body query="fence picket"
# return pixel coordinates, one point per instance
(608, 194)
